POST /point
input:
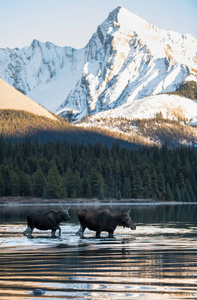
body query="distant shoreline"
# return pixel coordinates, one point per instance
(19, 201)
(40, 201)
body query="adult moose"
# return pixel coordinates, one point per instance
(103, 220)
(49, 220)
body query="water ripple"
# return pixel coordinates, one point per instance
(157, 261)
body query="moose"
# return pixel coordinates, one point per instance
(103, 220)
(45, 221)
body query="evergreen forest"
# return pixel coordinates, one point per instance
(78, 170)
(187, 90)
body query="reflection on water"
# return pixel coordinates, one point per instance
(157, 261)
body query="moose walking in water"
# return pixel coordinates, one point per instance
(49, 220)
(103, 220)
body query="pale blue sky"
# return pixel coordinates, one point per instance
(72, 22)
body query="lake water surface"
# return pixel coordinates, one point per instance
(157, 261)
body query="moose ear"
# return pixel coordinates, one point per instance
(64, 209)
(126, 213)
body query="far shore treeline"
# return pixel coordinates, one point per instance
(75, 170)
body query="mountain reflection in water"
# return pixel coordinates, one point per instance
(157, 261)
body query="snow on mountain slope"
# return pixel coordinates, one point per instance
(10, 98)
(129, 59)
(43, 71)
(171, 106)
(125, 60)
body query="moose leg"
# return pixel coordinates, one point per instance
(81, 231)
(98, 232)
(111, 234)
(30, 226)
(26, 231)
(53, 232)
(59, 231)
(30, 230)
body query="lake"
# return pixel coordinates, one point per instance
(156, 261)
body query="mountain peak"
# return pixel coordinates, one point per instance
(113, 15)
(126, 60)
(121, 16)
(35, 43)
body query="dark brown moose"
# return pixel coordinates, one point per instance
(103, 220)
(49, 220)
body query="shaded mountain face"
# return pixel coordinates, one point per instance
(11, 99)
(125, 60)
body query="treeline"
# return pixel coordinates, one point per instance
(187, 90)
(76, 170)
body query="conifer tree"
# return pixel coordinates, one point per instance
(2, 185)
(74, 194)
(186, 196)
(38, 183)
(5, 171)
(154, 181)
(169, 195)
(118, 195)
(147, 184)
(189, 189)
(100, 191)
(76, 185)
(177, 194)
(14, 184)
(88, 193)
(117, 174)
(96, 182)
(25, 184)
(126, 188)
(54, 183)
(67, 181)
(161, 186)
(110, 183)
(138, 188)
(45, 194)
(180, 181)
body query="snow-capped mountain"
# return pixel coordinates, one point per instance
(126, 59)
(43, 71)
(129, 59)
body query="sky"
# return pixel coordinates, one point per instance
(72, 22)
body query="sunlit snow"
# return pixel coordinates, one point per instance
(125, 63)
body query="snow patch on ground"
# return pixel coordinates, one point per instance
(169, 105)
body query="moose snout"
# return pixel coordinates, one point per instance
(133, 226)
(66, 217)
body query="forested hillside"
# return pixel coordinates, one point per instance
(17, 125)
(75, 170)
